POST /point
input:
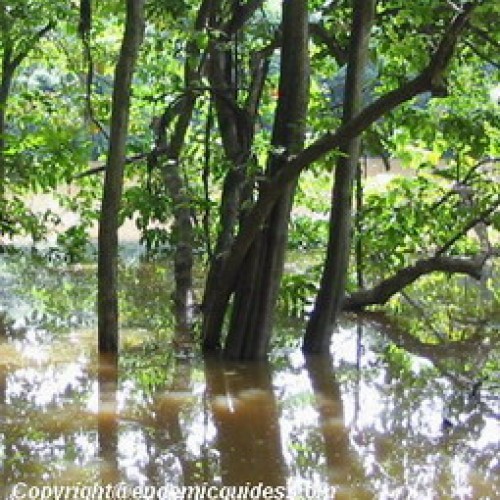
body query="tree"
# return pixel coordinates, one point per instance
(107, 300)
(333, 281)
(18, 38)
(430, 79)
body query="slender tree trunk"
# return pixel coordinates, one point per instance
(107, 300)
(182, 229)
(258, 284)
(333, 281)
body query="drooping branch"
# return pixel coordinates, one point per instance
(381, 293)
(23, 53)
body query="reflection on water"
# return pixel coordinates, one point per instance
(369, 421)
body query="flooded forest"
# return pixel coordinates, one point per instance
(249, 249)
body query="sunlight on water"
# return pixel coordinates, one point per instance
(367, 422)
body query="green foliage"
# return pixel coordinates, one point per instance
(16, 219)
(151, 211)
(416, 216)
(297, 292)
(74, 243)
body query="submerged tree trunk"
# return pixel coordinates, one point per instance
(333, 281)
(175, 185)
(107, 274)
(258, 283)
(236, 126)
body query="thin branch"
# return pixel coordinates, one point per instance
(467, 177)
(88, 88)
(19, 58)
(423, 313)
(482, 217)
(484, 35)
(482, 55)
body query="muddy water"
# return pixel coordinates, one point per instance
(381, 417)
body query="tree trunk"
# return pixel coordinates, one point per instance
(258, 284)
(236, 126)
(107, 298)
(333, 281)
(182, 229)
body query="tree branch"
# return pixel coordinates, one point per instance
(338, 52)
(381, 293)
(19, 58)
(473, 222)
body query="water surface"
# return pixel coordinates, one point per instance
(383, 416)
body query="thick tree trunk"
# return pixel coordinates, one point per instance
(258, 284)
(107, 299)
(333, 281)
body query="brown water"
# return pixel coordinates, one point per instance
(370, 421)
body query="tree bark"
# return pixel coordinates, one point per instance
(107, 298)
(258, 284)
(175, 185)
(182, 229)
(333, 281)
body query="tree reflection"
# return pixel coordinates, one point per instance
(107, 419)
(344, 471)
(246, 418)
